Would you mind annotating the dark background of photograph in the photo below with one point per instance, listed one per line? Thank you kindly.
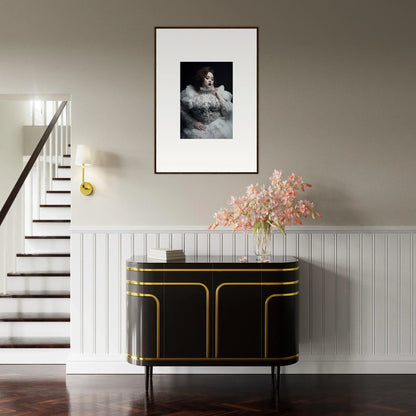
(223, 74)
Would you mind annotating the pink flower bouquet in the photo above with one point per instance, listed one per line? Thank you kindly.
(266, 207)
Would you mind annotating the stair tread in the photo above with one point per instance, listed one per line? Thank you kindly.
(34, 317)
(51, 220)
(66, 155)
(43, 255)
(39, 274)
(64, 167)
(47, 237)
(36, 294)
(34, 342)
(58, 192)
(61, 179)
(55, 205)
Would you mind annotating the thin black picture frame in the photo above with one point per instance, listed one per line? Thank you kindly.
(256, 171)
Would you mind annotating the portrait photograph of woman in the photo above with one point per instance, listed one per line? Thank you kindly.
(206, 100)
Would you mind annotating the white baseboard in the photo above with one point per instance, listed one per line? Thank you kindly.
(100, 365)
(78, 364)
(363, 365)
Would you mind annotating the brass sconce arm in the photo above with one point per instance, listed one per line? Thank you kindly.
(86, 188)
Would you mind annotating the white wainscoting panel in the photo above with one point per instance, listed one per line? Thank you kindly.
(357, 294)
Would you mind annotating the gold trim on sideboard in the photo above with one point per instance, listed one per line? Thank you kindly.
(133, 269)
(212, 359)
(266, 317)
(132, 282)
(148, 295)
(244, 284)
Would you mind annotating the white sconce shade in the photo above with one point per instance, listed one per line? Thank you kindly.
(83, 155)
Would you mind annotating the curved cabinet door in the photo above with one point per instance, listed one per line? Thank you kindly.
(280, 303)
(144, 308)
(185, 316)
(282, 331)
(238, 315)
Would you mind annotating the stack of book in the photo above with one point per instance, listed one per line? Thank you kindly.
(166, 254)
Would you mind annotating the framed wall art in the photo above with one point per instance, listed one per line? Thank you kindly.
(206, 110)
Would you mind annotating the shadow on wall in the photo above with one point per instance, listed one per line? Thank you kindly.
(107, 160)
(324, 311)
(105, 170)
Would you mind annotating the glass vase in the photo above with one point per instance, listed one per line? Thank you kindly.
(263, 243)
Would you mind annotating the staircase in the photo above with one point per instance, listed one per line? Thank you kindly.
(34, 310)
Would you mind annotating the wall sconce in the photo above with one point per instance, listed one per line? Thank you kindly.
(83, 158)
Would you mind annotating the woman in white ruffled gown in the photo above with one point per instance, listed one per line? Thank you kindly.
(206, 111)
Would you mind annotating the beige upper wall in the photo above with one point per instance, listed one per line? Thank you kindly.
(336, 101)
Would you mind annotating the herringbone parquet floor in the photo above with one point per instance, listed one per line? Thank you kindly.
(46, 391)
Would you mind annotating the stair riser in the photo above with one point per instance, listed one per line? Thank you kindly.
(55, 213)
(47, 246)
(40, 264)
(61, 186)
(45, 228)
(34, 329)
(64, 173)
(66, 161)
(38, 305)
(37, 283)
(58, 198)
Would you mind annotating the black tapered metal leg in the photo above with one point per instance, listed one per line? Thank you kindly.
(278, 381)
(147, 376)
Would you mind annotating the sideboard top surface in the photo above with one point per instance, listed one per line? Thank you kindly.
(212, 261)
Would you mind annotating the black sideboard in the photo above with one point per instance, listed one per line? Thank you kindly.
(212, 311)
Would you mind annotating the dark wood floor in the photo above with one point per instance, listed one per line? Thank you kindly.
(46, 390)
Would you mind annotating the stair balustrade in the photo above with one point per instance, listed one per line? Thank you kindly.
(22, 208)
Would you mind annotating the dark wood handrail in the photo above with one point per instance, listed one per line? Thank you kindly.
(25, 172)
